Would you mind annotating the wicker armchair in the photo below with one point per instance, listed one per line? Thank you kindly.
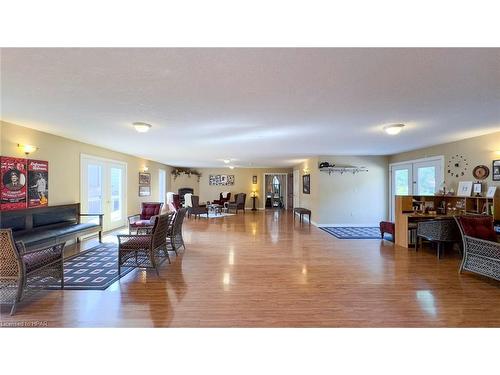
(238, 204)
(22, 270)
(481, 255)
(148, 211)
(441, 231)
(174, 233)
(145, 250)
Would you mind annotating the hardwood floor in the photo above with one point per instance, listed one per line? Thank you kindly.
(259, 269)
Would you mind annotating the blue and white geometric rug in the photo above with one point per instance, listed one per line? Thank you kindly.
(353, 233)
(93, 269)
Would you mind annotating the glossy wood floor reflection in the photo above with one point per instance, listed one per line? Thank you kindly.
(262, 270)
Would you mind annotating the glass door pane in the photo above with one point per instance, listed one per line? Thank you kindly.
(426, 180)
(401, 183)
(116, 201)
(95, 190)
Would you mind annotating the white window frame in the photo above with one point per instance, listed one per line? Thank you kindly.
(440, 179)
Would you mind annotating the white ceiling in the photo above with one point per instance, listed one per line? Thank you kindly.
(261, 107)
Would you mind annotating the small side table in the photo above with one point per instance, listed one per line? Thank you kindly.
(253, 199)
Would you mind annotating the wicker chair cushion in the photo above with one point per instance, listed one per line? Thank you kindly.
(478, 227)
(139, 242)
(142, 223)
(149, 210)
(38, 259)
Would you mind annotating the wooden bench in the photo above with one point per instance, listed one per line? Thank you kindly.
(301, 212)
(46, 226)
(387, 227)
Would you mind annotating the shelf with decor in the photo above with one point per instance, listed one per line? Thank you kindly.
(410, 209)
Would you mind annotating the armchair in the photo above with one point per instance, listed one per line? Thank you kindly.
(223, 198)
(21, 270)
(238, 204)
(148, 211)
(196, 209)
(481, 248)
(173, 202)
(144, 250)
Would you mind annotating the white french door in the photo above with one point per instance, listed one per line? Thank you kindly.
(417, 177)
(103, 190)
(296, 187)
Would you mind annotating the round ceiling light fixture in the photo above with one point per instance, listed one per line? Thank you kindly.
(394, 129)
(231, 167)
(227, 161)
(141, 127)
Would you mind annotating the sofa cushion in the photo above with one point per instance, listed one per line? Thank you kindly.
(149, 210)
(479, 227)
(56, 216)
(134, 243)
(12, 221)
(38, 259)
(142, 223)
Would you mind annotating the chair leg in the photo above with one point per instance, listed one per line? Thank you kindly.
(62, 275)
(19, 296)
(439, 250)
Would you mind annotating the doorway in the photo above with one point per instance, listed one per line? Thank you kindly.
(103, 190)
(415, 177)
(275, 190)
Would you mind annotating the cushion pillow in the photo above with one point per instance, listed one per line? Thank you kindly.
(478, 227)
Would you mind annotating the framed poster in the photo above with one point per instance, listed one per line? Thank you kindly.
(13, 183)
(306, 184)
(254, 180)
(496, 170)
(144, 191)
(38, 183)
(144, 179)
(464, 189)
(221, 179)
(491, 192)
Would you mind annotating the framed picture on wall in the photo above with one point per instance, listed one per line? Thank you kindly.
(306, 184)
(144, 179)
(254, 180)
(144, 191)
(496, 170)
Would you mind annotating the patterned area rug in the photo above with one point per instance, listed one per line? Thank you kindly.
(93, 269)
(354, 233)
(212, 215)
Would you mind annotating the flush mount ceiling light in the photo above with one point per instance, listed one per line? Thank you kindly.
(394, 129)
(227, 161)
(231, 167)
(141, 127)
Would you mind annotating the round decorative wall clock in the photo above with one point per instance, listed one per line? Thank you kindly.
(457, 166)
(481, 172)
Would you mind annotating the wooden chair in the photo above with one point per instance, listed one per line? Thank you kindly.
(145, 250)
(22, 270)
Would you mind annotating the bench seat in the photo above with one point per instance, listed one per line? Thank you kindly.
(54, 235)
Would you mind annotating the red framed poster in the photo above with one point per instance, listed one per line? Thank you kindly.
(38, 183)
(12, 183)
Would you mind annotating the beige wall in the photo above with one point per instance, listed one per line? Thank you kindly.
(359, 199)
(63, 156)
(242, 183)
(477, 151)
(347, 199)
(309, 201)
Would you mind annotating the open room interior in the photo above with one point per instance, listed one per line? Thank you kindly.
(256, 187)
